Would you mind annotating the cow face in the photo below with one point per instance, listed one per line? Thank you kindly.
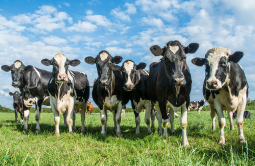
(60, 66)
(28, 99)
(216, 63)
(130, 75)
(16, 96)
(17, 70)
(105, 65)
(174, 57)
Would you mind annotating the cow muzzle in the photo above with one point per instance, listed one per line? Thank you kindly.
(62, 78)
(211, 85)
(30, 102)
(129, 87)
(104, 82)
(15, 84)
(179, 81)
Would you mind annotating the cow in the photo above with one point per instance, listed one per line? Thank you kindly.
(135, 81)
(246, 115)
(17, 105)
(89, 107)
(197, 105)
(170, 80)
(64, 97)
(225, 85)
(108, 92)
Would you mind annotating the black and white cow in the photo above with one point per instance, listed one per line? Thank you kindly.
(135, 81)
(170, 80)
(246, 115)
(225, 85)
(108, 92)
(64, 97)
(17, 105)
(197, 105)
(32, 83)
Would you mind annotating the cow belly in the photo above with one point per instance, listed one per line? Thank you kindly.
(46, 101)
(169, 105)
(63, 104)
(111, 103)
(140, 105)
(79, 105)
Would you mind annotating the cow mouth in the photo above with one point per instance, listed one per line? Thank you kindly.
(29, 103)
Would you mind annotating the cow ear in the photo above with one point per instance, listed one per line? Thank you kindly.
(10, 93)
(75, 62)
(29, 67)
(198, 61)
(90, 60)
(46, 62)
(156, 50)
(6, 68)
(191, 48)
(235, 57)
(141, 66)
(114, 67)
(117, 59)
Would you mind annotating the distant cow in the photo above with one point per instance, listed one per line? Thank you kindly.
(246, 114)
(108, 92)
(196, 105)
(225, 86)
(64, 97)
(17, 105)
(170, 80)
(89, 107)
(135, 82)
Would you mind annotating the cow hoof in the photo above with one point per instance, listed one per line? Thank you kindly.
(71, 132)
(83, 131)
(103, 134)
(25, 130)
(242, 140)
(159, 131)
(222, 141)
(152, 129)
(37, 130)
(21, 121)
(74, 129)
(186, 144)
(173, 132)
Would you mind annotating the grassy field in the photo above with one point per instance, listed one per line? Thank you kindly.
(18, 148)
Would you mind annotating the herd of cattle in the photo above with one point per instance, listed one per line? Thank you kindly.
(167, 87)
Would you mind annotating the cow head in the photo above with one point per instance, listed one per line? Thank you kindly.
(16, 96)
(28, 99)
(130, 73)
(216, 63)
(17, 70)
(60, 66)
(105, 65)
(174, 58)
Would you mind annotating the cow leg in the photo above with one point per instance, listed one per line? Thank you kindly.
(239, 119)
(159, 118)
(103, 120)
(137, 122)
(37, 114)
(26, 117)
(114, 120)
(147, 115)
(213, 113)
(199, 109)
(83, 120)
(118, 118)
(21, 117)
(69, 120)
(221, 120)
(57, 120)
(171, 117)
(230, 117)
(74, 127)
(64, 116)
(162, 106)
(152, 120)
(184, 125)
(16, 115)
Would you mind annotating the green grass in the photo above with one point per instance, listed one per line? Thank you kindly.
(18, 148)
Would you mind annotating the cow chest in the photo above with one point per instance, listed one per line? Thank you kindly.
(111, 103)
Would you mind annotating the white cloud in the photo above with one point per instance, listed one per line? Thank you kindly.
(89, 12)
(77, 38)
(120, 15)
(99, 20)
(94, 44)
(131, 9)
(66, 4)
(83, 27)
(113, 42)
(5, 24)
(153, 22)
(46, 10)
(54, 40)
(118, 51)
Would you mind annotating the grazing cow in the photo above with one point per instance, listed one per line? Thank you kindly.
(170, 80)
(135, 80)
(246, 114)
(108, 92)
(225, 85)
(197, 105)
(64, 97)
(89, 107)
(17, 105)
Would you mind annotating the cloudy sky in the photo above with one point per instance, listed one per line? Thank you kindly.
(33, 30)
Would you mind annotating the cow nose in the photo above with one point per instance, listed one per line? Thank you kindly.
(104, 82)
(129, 86)
(179, 81)
(15, 84)
(62, 77)
(15, 102)
(212, 84)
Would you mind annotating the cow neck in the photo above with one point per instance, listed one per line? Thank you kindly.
(111, 86)
(62, 89)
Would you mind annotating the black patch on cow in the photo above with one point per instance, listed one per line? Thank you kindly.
(222, 70)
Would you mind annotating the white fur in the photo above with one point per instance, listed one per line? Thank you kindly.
(129, 65)
(103, 56)
(37, 72)
(174, 49)
(61, 59)
(17, 64)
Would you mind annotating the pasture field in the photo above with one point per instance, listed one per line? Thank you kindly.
(18, 148)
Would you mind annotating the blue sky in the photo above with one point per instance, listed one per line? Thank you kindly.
(33, 30)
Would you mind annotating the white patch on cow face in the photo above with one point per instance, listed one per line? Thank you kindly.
(61, 60)
(103, 56)
(213, 57)
(17, 65)
(129, 65)
(174, 49)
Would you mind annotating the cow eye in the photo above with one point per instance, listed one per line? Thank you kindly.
(223, 64)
